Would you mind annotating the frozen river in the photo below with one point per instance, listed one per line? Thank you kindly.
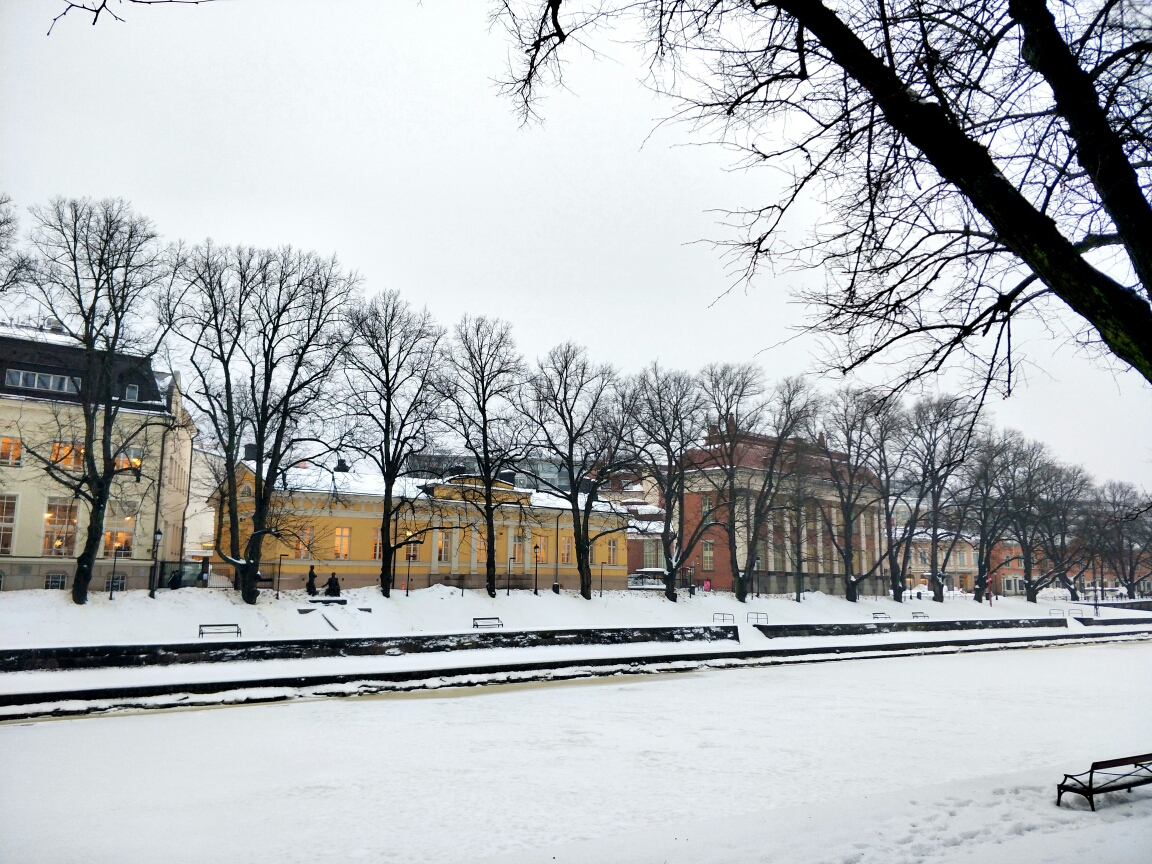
(912, 759)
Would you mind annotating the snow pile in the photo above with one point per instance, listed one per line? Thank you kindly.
(42, 618)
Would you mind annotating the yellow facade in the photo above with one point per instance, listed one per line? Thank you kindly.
(337, 531)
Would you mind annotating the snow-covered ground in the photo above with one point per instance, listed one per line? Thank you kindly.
(933, 759)
(42, 618)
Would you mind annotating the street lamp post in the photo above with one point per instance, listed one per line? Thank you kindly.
(536, 563)
(601, 578)
(508, 579)
(279, 569)
(156, 538)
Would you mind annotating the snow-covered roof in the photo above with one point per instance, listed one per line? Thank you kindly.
(363, 480)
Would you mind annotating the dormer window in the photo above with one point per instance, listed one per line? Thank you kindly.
(39, 381)
(132, 393)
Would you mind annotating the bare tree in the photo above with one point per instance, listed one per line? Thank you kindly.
(987, 510)
(265, 334)
(670, 416)
(733, 394)
(1122, 534)
(899, 492)
(1025, 490)
(940, 435)
(100, 273)
(581, 415)
(483, 376)
(1066, 539)
(14, 262)
(979, 157)
(844, 443)
(393, 361)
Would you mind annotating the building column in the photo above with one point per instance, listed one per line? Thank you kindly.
(455, 545)
(433, 556)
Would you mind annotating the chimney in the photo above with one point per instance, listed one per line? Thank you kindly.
(249, 452)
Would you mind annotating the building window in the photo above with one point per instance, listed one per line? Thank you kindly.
(707, 555)
(924, 558)
(962, 559)
(56, 581)
(481, 544)
(612, 552)
(591, 553)
(411, 551)
(650, 549)
(304, 542)
(518, 548)
(11, 449)
(566, 551)
(119, 528)
(66, 456)
(342, 542)
(60, 527)
(40, 381)
(705, 504)
(7, 522)
(132, 393)
(130, 458)
(540, 550)
(377, 546)
(115, 582)
(245, 491)
(443, 547)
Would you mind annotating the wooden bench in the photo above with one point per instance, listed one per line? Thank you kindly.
(483, 623)
(757, 618)
(916, 615)
(881, 616)
(214, 629)
(1101, 779)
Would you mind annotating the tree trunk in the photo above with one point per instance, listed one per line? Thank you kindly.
(490, 558)
(387, 551)
(1030, 592)
(87, 556)
(937, 590)
(850, 589)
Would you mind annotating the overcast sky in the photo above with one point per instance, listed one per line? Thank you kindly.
(374, 131)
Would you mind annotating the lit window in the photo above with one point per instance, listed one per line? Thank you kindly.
(129, 459)
(304, 542)
(377, 546)
(707, 555)
(342, 543)
(11, 449)
(117, 544)
(412, 551)
(540, 550)
(132, 393)
(60, 527)
(518, 549)
(566, 551)
(67, 457)
(612, 552)
(7, 522)
(444, 547)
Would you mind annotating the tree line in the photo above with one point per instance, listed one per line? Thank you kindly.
(288, 363)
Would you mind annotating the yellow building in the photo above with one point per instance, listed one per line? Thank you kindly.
(333, 522)
(42, 523)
